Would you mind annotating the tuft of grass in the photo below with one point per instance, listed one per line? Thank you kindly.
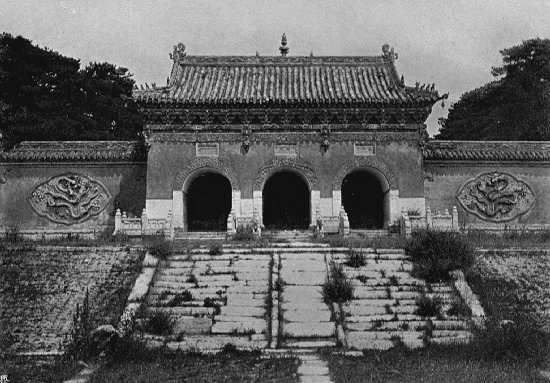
(215, 249)
(159, 247)
(459, 309)
(244, 234)
(192, 278)
(159, 323)
(436, 253)
(337, 288)
(393, 280)
(429, 307)
(180, 298)
(356, 258)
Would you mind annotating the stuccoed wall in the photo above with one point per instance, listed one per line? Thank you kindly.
(125, 183)
(397, 156)
(445, 180)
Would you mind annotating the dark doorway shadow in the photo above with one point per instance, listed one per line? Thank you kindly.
(286, 202)
(363, 200)
(208, 203)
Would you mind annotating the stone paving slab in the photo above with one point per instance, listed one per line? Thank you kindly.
(243, 311)
(192, 325)
(309, 330)
(308, 316)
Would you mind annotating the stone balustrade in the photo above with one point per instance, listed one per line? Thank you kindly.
(143, 225)
(440, 221)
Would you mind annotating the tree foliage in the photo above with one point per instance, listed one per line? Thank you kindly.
(47, 96)
(516, 106)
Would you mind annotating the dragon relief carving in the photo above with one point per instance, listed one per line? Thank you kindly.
(496, 197)
(69, 198)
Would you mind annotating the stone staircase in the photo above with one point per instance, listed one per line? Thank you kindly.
(385, 310)
(213, 300)
(271, 297)
(288, 235)
(180, 235)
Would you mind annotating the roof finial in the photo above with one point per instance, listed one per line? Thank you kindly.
(178, 52)
(283, 48)
(388, 53)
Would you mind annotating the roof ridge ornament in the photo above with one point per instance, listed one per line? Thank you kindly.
(388, 53)
(178, 53)
(283, 48)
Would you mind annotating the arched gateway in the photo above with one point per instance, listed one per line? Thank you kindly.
(292, 135)
(208, 202)
(286, 201)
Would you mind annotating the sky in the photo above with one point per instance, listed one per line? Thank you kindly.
(453, 44)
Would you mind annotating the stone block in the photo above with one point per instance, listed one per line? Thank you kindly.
(192, 325)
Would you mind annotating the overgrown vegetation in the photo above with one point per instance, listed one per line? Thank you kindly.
(180, 298)
(78, 347)
(436, 253)
(393, 241)
(429, 306)
(244, 233)
(338, 287)
(159, 323)
(137, 363)
(508, 239)
(159, 246)
(215, 249)
(356, 258)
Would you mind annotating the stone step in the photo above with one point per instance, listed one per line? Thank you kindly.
(451, 334)
(369, 344)
(249, 327)
(243, 311)
(387, 326)
(307, 315)
(309, 330)
(215, 343)
(309, 344)
(450, 325)
(451, 340)
(192, 325)
(182, 311)
(387, 335)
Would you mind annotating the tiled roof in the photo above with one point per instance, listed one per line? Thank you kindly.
(39, 151)
(487, 151)
(257, 81)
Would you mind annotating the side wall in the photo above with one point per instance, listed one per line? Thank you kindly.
(124, 182)
(446, 179)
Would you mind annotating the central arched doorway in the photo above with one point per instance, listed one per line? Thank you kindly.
(286, 202)
(363, 198)
(208, 202)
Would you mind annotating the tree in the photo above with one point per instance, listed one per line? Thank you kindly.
(47, 96)
(516, 106)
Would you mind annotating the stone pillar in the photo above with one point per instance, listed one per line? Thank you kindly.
(144, 221)
(315, 200)
(177, 208)
(336, 202)
(394, 208)
(118, 221)
(236, 203)
(455, 219)
(258, 205)
(429, 217)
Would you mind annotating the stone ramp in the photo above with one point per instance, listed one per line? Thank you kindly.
(307, 319)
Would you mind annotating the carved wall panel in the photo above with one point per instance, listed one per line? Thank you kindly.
(496, 197)
(69, 198)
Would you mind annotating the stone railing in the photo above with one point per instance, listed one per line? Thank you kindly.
(234, 222)
(332, 224)
(439, 221)
(143, 225)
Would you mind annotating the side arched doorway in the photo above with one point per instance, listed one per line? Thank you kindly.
(208, 202)
(364, 197)
(286, 202)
